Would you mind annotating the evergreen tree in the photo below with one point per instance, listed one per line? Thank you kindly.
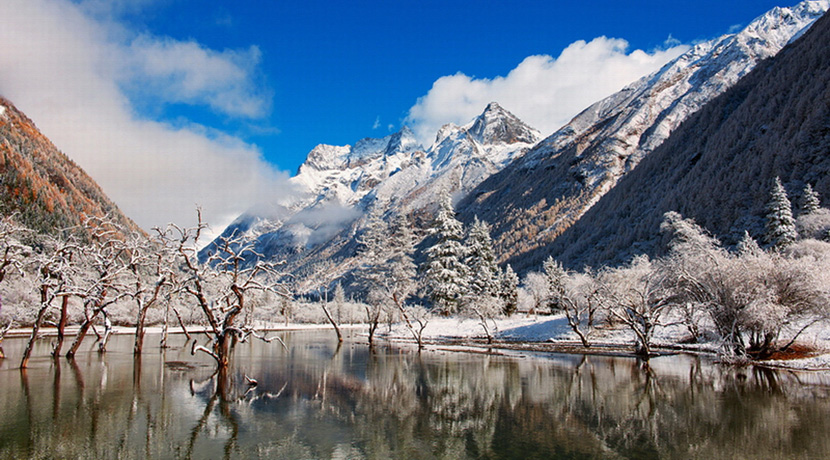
(509, 290)
(555, 275)
(445, 271)
(748, 246)
(372, 252)
(780, 225)
(810, 202)
(481, 260)
(401, 269)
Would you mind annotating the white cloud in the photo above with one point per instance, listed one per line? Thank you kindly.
(67, 71)
(187, 72)
(544, 92)
(376, 124)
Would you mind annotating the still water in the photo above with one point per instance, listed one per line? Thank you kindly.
(314, 400)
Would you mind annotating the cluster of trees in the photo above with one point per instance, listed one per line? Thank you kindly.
(460, 274)
(115, 271)
(747, 298)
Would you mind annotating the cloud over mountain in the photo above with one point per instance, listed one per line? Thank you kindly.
(544, 91)
(85, 77)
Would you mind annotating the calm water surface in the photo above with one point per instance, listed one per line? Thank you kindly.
(317, 401)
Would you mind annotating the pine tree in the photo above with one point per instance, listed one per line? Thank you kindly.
(371, 272)
(810, 202)
(446, 274)
(481, 260)
(509, 290)
(780, 225)
(748, 246)
(401, 269)
(555, 275)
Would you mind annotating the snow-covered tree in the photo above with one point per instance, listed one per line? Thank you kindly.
(445, 272)
(221, 286)
(56, 267)
(810, 201)
(573, 294)
(637, 296)
(481, 261)
(402, 269)
(509, 290)
(556, 277)
(372, 273)
(780, 225)
(536, 284)
(150, 272)
(748, 246)
(387, 272)
(12, 256)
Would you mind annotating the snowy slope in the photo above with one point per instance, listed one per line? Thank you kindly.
(546, 191)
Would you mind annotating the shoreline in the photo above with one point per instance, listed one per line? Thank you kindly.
(542, 334)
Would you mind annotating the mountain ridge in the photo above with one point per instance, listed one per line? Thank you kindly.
(718, 167)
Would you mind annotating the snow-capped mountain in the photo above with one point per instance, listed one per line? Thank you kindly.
(541, 194)
(338, 184)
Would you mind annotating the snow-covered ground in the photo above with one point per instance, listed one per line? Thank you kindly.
(555, 329)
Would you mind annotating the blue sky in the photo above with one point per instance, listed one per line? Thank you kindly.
(170, 104)
(335, 70)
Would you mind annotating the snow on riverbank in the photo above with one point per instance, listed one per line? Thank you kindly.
(555, 330)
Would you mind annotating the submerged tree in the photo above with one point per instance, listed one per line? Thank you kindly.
(148, 260)
(56, 265)
(222, 284)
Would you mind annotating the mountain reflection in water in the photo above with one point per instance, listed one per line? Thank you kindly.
(317, 401)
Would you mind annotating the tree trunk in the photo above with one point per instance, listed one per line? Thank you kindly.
(56, 352)
(82, 333)
(102, 346)
(44, 305)
(333, 323)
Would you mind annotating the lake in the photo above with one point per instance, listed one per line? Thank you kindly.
(314, 400)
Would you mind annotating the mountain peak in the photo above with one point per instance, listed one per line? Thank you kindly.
(496, 125)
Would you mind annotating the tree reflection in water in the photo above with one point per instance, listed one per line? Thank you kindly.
(317, 401)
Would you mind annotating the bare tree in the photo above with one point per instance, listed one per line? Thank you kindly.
(54, 266)
(12, 255)
(638, 297)
(150, 271)
(221, 284)
(105, 262)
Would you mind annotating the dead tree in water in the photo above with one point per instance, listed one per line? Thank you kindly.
(55, 266)
(105, 258)
(221, 283)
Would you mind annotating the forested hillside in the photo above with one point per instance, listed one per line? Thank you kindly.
(46, 189)
(719, 166)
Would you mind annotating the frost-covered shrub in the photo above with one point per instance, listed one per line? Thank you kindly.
(815, 225)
